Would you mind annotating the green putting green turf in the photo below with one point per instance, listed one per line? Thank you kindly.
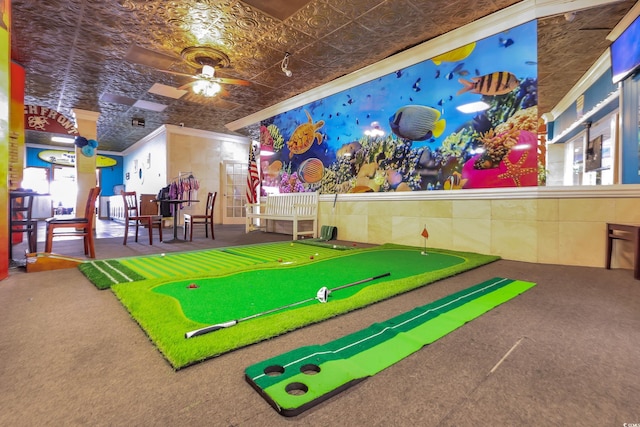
(168, 308)
(297, 380)
(238, 295)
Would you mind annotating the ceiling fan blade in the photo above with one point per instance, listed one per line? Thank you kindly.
(176, 73)
(185, 86)
(231, 81)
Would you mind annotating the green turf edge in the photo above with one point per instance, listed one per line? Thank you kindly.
(98, 279)
(165, 324)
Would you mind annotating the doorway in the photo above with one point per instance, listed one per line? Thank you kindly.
(234, 186)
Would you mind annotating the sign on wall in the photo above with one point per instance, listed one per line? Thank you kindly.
(68, 158)
(43, 119)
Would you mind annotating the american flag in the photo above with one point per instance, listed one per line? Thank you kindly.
(253, 180)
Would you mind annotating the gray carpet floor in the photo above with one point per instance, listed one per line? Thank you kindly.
(565, 353)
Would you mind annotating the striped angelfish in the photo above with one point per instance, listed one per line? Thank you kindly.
(497, 83)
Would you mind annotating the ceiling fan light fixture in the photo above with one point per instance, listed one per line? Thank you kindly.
(284, 66)
(206, 88)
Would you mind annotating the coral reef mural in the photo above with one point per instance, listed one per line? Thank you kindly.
(464, 119)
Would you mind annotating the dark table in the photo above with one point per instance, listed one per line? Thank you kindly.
(175, 203)
(628, 232)
(15, 194)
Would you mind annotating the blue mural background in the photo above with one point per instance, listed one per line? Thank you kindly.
(357, 140)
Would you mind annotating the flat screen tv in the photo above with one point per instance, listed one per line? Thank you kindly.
(625, 52)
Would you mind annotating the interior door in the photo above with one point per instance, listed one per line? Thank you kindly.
(234, 186)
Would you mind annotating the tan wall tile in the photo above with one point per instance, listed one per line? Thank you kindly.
(510, 209)
(591, 210)
(548, 209)
(472, 235)
(478, 209)
(548, 242)
(516, 240)
(582, 243)
(627, 211)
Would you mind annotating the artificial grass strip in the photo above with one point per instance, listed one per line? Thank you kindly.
(280, 251)
(183, 264)
(300, 379)
(162, 317)
(105, 273)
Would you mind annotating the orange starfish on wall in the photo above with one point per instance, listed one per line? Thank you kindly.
(515, 170)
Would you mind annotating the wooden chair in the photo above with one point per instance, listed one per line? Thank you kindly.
(80, 226)
(22, 222)
(132, 217)
(207, 219)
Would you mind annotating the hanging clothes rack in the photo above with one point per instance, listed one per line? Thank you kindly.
(183, 187)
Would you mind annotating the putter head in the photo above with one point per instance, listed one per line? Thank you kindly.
(323, 294)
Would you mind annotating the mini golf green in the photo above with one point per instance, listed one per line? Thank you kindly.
(238, 295)
(300, 379)
(167, 308)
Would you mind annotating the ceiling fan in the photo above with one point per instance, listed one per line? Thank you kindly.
(205, 58)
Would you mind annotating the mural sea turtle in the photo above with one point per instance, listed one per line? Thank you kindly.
(304, 135)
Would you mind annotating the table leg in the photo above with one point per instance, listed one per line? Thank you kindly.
(636, 254)
(609, 247)
(175, 227)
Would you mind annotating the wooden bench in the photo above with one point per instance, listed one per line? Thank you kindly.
(294, 207)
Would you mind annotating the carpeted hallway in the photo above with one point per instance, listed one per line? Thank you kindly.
(563, 353)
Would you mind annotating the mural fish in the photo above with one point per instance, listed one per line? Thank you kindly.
(349, 150)
(304, 135)
(417, 122)
(497, 83)
(455, 181)
(505, 42)
(455, 55)
(311, 170)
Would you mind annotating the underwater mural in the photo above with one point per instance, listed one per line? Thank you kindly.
(465, 119)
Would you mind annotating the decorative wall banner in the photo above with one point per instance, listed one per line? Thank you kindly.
(465, 119)
(68, 158)
(43, 119)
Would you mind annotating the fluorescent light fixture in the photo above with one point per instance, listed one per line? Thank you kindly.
(473, 107)
(63, 139)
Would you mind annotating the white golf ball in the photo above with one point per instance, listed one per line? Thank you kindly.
(161, 254)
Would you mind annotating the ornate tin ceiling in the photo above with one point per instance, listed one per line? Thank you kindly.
(75, 52)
